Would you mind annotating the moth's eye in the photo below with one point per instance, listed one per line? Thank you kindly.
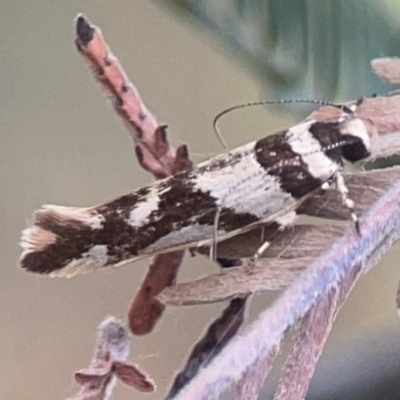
(356, 149)
(359, 136)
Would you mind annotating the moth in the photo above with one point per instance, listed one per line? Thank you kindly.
(259, 184)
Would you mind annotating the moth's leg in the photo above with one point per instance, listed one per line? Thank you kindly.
(280, 224)
(327, 185)
(262, 238)
(261, 250)
(346, 200)
(251, 263)
(213, 247)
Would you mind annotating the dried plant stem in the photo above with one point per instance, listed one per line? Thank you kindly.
(252, 381)
(153, 151)
(311, 335)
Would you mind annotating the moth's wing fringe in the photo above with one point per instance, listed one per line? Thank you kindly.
(42, 240)
(42, 228)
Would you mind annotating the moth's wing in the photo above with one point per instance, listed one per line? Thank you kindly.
(69, 240)
(297, 160)
(256, 182)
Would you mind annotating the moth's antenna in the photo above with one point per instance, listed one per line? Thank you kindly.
(392, 92)
(344, 108)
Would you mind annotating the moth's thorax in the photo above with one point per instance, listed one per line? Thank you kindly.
(315, 148)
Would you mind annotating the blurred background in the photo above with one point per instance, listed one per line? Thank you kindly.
(62, 144)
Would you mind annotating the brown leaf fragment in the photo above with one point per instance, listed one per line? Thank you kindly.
(132, 376)
(95, 374)
(146, 308)
(182, 161)
(387, 68)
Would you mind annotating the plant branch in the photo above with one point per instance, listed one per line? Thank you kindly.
(154, 154)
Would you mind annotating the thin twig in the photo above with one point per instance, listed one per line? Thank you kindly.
(153, 151)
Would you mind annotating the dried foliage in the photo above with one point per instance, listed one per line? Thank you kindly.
(154, 154)
(109, 364)
(387, 69)
(292, 251)
(316, 265)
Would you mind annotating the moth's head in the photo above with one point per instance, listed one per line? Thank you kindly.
(359, 136)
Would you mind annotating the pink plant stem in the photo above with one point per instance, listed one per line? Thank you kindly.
(311, 335)
(154, 154)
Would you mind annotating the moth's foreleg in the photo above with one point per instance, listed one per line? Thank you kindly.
(213, 247)
(249, 266)
(280, 224)
(346, 200)
(262, 236)
(327, 185)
